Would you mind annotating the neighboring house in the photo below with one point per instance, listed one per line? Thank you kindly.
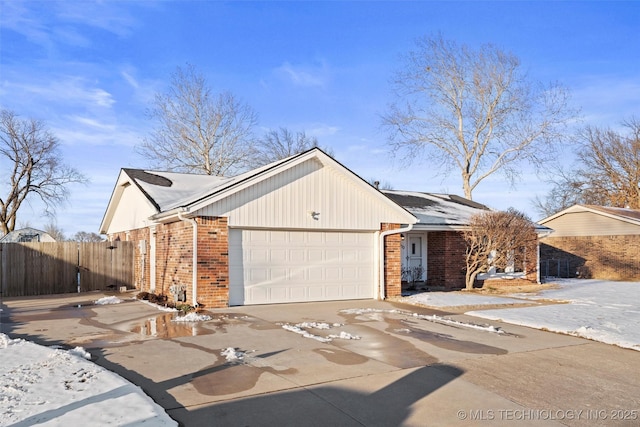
(304, 228)
(27, 235)
(433, 252)
(592, 242)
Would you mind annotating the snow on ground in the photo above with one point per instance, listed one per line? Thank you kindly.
(108, 300)
(192, 317)
(378, 315)
(301, 328)
(600, 310)
(49, 386)
(232, 355)
(456, 299)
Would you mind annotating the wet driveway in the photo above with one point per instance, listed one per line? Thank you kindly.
(337, 363)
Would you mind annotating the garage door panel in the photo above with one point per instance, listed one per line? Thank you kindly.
(269, 266)
(278, 256)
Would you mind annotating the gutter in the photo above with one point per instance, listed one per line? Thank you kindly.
(194, 279)
(381, 293)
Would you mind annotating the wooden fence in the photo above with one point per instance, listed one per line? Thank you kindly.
(54, 268)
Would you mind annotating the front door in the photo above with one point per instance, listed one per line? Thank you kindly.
(414, 259)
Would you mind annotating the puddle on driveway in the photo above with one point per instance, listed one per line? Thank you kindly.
(407, 328)
(340, 357)
(225, 377)
(386, 348)
(164, 327)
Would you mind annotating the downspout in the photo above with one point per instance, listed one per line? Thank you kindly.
(194, 279)
(381, 293)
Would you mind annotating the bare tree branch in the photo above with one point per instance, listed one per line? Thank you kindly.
(30, 154)
(282, 143)
(474, 111)
(498, 239)
(607, 171)
(197, 130)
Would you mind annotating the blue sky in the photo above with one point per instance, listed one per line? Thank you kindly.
(90, 70)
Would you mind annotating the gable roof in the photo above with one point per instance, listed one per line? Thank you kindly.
(437, 211)
(630, 216)
(27, 234)
(173, 193)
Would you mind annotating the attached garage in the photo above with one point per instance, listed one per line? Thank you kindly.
(300, 229)
(276, 266)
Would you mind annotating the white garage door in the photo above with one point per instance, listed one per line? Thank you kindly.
(267, 266)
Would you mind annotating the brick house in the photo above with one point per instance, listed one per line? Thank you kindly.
(433, 251)
(592, 242)
(304, 228)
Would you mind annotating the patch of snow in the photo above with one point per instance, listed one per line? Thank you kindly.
(301, 328)
(314, 325)
(192, 317)
(344, 336)
(430, 318)
(81, 352)
(108, 300)
(447, 321)
(42, 385)
(232, 355)
(456, 299)
(298, 330)
(599, 310)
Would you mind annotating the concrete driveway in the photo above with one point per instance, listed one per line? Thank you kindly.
(405, 369)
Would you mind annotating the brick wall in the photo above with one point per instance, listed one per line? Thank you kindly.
(174, 256)
(446, 259)
(446, 262)
(141, 260)
(392, 262)
(174, 260)
(597, 257)
(213, 262)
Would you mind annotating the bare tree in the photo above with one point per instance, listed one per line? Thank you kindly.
(498, 239)
(31, 166)
(607, 171)
(282, 143)
(84, 236)
(473, 110)
(197, 130)
(56, 232)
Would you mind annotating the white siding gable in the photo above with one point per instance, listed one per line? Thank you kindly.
(589, 224)
(287, 200)
(132, 212)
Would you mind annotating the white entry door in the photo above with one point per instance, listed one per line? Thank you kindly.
(414, 262)
(274, 266)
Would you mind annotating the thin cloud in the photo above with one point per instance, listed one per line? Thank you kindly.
(48, 24)
(130, 79)
(322, 130)
(66, 91)
(304, 76)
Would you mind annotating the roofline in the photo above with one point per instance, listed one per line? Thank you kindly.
(260, 173)
(589, 208)
(117, 192)
(540, 230)
(135, 181)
